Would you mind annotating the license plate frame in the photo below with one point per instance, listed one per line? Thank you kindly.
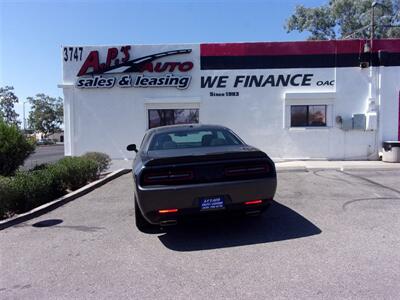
(212, 203)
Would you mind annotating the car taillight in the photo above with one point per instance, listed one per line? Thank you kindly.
(168, 211)
(247, 170)
(166, 177)
(253, 202)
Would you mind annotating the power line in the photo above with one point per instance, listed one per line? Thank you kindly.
(358, 30)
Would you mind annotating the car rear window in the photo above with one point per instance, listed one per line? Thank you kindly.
(193, 139)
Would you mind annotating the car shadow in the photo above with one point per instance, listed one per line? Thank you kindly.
(279, 223)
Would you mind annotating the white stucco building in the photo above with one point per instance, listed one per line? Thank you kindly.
(294, 100)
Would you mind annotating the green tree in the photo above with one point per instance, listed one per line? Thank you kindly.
(347, 19)
(46, 113)
(7, 102)
(14, 148)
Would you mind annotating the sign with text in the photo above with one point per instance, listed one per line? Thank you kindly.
(95, 73)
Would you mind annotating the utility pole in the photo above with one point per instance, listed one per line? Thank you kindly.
(23, 110)
(373, 23)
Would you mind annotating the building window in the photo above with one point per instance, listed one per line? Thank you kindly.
(162, 117)
(307, 115)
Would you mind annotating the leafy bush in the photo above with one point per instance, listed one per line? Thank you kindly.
(6, 196)
(29, 189)
(39, 167)
(14, 148)
(75, 172)
(34, 188)
(102, 159)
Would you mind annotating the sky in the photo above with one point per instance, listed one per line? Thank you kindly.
(32, 32)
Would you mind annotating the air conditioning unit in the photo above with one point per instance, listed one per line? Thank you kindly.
(347, 124)
(359, 121)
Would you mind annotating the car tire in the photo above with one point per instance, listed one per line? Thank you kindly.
(141, 223)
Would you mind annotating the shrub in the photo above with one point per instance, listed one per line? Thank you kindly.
(34, 188)
(103, 160)
(6, 196)
(29, 189)
(39, 167)
(75, 172)
(14, 148)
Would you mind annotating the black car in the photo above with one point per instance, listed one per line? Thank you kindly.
(196, 169)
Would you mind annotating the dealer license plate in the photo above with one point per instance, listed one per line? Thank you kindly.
(211, 203)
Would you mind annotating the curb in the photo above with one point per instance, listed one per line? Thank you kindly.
(285, 169)
(291, 169)
(378, 168)
(40, 210)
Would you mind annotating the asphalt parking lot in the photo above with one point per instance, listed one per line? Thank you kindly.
(329, 234)
(44, 154)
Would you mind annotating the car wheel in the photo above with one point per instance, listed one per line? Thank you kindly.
(141, 222)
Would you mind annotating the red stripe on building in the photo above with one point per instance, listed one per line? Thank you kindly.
(296, 48)
(389, 45)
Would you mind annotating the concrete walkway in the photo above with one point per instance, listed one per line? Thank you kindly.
(337, 165)
(302, 165)
(117, 164)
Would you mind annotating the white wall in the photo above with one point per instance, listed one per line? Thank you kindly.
(389, 100)
(107, 120)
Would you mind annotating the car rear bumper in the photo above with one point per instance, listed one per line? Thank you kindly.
(186, 198)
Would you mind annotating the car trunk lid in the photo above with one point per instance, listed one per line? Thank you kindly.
(201, 154)
(208, 165)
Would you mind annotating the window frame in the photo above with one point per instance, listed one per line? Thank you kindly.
(170, 109)
(308, 115)
(327, 97)
(170, 103)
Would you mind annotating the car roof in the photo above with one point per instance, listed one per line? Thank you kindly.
(183, 127)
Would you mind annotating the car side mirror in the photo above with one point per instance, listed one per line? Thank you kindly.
(132, 147)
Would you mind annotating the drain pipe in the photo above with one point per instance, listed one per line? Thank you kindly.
(373, 104)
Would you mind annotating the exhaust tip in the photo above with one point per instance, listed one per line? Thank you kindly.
(168, 223)
(253, 213)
